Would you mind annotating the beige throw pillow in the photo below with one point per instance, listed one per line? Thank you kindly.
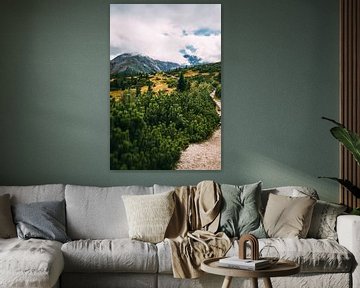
(288, 217)
(7, 226)
(149, 215)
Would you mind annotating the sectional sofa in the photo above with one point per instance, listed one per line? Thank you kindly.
(100, 253)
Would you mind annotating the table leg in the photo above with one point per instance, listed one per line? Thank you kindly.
(254, 282)
(267, 283)
(227, 282)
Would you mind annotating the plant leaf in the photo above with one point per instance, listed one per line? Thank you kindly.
(348, 138)
(347, 184)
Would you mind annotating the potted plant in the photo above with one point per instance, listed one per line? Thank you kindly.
(351, 141)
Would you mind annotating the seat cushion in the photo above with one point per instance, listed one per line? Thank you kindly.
(313, 255)
(30, 263)
(117, 255)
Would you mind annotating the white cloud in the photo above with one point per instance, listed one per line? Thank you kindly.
(157, 30)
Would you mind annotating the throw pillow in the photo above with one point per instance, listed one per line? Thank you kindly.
(149, 215)
(44, 220)
(323, 222)
(7, 226)
(288, 217)
(240, 210)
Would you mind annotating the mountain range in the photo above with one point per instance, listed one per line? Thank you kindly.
(131, 64)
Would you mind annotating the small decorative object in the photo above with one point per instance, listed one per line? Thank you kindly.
(270, 253)
(254, 246)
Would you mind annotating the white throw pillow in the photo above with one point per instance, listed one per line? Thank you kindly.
(149, 215)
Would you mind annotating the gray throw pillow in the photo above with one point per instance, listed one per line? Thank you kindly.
(240, 213)
(7, 226)
(323, 222)
(44, 220)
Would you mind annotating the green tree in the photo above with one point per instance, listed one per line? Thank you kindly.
(182, 83)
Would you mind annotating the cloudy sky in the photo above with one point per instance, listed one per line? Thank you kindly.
(181, 33)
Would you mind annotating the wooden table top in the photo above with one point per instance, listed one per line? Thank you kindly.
(281, 268)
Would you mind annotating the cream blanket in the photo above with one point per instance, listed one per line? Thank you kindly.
(191, 231)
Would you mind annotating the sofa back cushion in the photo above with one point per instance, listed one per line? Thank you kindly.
(98, 212)
(7, 226)
(36, 193)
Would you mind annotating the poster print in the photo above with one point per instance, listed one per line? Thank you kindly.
(165, 86)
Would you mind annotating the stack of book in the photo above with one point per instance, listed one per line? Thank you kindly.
(248, 264)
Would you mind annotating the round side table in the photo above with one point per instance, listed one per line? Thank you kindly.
(281, 268)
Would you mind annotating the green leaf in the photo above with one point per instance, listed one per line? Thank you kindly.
(348, 138)
(347, 184)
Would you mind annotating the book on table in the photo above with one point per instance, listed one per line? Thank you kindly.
(249, 264)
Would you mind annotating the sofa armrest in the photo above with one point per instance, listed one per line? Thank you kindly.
(348, 230)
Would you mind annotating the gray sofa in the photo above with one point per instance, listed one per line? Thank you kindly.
(101, 254)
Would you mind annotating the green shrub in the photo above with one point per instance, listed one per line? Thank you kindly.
(150, 131)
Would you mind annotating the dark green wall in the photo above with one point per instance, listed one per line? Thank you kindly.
(280, 75)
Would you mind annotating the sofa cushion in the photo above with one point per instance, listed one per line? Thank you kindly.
(36, 193)
(30, 263)
(291, 191)
(98, 213)
(323, 222)
(240, 210)
(43, 220)
(117, 255)
(7, 226)
(313, 255)
(149, 215)
(287, 216)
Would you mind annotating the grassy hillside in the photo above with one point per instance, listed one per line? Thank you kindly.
(164, 81)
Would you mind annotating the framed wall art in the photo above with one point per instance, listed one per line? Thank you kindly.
(165, 87)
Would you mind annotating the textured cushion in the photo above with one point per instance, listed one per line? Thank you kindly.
(44, 220)
(31, 263)
(149, 215)
(36, 193)
(98, 213)
(163, 188)
(117, 255)
(240, 210)
(323, 222)
(313, 255)
(287, 216)
(7, 227)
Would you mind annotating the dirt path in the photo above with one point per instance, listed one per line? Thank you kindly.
(202, 156)
(205, 155)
